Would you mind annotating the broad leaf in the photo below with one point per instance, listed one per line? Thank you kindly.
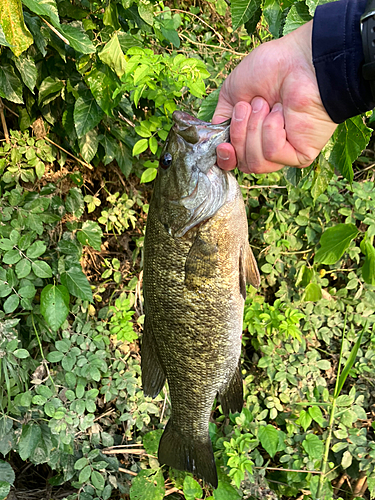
(29, 73)
(103, 83)
(368, 269)
(10, 84)
(41, 269)
(6, 472)
(77, 37)
(110, 17)
(323, 173)
(272, 12)
(148, 485)
(54, 305)
(208, 106)
(36, 249)
(192, 489)
(334, 241)
(77, 283)
(346, 144)
(304, 420)
(297, 16)
(49, 89)
(242, 11)
(34, 24)
(113, 56)
(313, 446)
(87, 113)
(13, 26)
(312, 293)
(23, 268)
(31, 434)
(11, 304)
(44, 8)
(124, 159)
(74, 202)
(88, 145)
(269, 439)
(90, 234)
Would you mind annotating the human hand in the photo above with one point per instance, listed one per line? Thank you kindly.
(277, 114)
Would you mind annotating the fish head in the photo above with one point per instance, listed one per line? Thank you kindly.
(190, 187)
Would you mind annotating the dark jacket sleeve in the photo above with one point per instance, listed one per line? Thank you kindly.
(338, 58)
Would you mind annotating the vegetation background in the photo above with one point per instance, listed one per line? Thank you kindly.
(87, 91)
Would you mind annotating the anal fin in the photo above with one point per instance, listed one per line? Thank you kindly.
(153, 376)
(231, 398)
(249, 272)
(189, 455)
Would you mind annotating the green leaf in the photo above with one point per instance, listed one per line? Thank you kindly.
(113, 56)
(346, 144)
(103, 83)
(110, 17)
(29, 440)
(88, 145)
(334, 241)
(81, 463)
(87, 113)
(140, 146)
(123, 159)
(242, 11)
(225, 491)
(323, 173)
(316, 414)
(29, 73)
(77, 283)
(151, 441)
(192, 489)
(55, 356)
(97, 480)
(4, 489)
(146, 12)
(297, 17)
(313, 446)
(313, 292)
(36, 250)
(269, 439)
(12, 257)
(10, 84)
(348, 365)
(49, 89)
(153, 144)
(11, 304)
(312, 4)
(272, 12)
(368, 268)
(84, 475)
(6, 244)
(77, 37)
(304, 420)
(54, 305)
(90, 234)
(13, 26)
(41, 269)
(208, 106)
(7, 473)
(44, 8)
(148, 485)
(346, 460)
(149, 175)
(21, 353)
(75, 202)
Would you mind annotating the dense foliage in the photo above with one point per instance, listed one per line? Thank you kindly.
(87, 89)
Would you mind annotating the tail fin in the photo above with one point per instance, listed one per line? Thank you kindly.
(189, 455)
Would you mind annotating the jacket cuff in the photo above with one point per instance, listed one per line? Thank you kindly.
(338, 58)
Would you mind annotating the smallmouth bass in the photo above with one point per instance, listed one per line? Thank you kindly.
(196, 265)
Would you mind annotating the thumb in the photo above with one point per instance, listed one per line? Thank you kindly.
(223, 111)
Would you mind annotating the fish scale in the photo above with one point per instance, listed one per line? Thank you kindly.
(197, 262)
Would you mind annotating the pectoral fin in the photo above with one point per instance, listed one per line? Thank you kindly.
(249, 272)
(201, 263)
(153, 376)
(231, 398)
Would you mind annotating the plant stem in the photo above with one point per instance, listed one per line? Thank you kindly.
(326, 448)
(41, 351)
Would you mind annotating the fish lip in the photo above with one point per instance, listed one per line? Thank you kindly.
(195, 131)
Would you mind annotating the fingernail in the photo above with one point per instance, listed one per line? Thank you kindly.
(257, 104)
(240, 112)
(277, 107)
(222, 155)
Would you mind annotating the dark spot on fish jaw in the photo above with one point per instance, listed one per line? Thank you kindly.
(166, 161)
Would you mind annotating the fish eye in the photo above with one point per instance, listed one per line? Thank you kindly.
(166, 161)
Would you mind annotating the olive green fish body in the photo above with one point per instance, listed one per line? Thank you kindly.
(195, 286)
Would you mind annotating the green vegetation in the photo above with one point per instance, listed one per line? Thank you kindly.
(87, 89)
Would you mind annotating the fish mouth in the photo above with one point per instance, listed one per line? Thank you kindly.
(193, 130)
